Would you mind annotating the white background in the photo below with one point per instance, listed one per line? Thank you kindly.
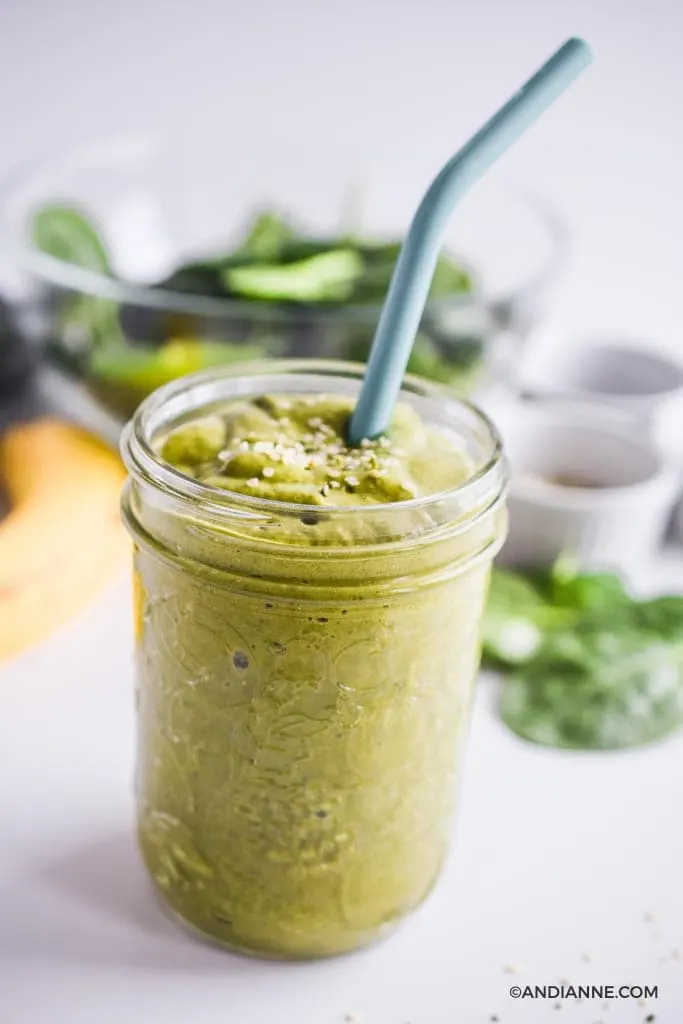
(557, 855)
(405, 78)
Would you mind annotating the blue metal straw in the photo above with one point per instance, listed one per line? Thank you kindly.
(410, 282)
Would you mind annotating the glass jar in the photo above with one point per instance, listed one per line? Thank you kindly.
(304, 678)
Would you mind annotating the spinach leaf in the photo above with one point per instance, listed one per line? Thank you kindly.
(586, 665)
(271, 244)
(449, 279)
(65, 232)
(663, 616)
(426, 361)
(380, 259)
(379, 262)
(274, 264)
(594, 688)
(517, 613)
(569, 588)
(268, 236)
(89, 324)
(195, 279)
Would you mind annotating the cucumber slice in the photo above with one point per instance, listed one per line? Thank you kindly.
(328, 277)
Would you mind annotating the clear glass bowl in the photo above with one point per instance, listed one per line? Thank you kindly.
(161, 203)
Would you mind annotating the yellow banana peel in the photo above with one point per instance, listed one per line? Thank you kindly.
(62, 540)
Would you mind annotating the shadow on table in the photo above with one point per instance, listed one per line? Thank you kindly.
(95, 907)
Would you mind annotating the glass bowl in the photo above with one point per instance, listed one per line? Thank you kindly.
(160, 204)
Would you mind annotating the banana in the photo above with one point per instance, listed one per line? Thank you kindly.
(62, 540)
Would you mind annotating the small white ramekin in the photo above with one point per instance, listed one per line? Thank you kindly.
(616, 523)
(642, 381)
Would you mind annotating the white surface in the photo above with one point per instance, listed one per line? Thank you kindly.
(558, 855)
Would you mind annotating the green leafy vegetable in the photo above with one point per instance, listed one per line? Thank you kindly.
(122, 376)
(426, 361)
(449, 279)
(196, 279)
(444, 365)
(65, 233)
(268, 237)
(586, 665)
(275, 266)
(447, 365)
(663, 615)
(594, 687)
(146, 370)
(516, 615)
(568, 588)
(272, 243)
(328, 277)
(92, 324)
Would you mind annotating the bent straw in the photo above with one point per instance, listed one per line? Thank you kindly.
(412, 276)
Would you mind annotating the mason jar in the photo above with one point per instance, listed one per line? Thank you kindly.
(304, 678)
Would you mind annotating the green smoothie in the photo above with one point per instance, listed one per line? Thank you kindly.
(291, 448)
(308, 625)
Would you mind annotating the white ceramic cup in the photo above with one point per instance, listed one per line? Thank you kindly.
(618, 489)
(638, 379)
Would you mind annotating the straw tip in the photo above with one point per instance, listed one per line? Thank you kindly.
(580, 47)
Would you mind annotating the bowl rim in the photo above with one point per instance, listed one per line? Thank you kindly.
(620, 348)
(53, 271)
(602, 423)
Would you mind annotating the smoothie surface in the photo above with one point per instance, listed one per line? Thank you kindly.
(292, 448)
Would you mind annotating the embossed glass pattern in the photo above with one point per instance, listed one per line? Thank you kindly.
(303, 685)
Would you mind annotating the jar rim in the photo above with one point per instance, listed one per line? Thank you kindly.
(144, 463)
